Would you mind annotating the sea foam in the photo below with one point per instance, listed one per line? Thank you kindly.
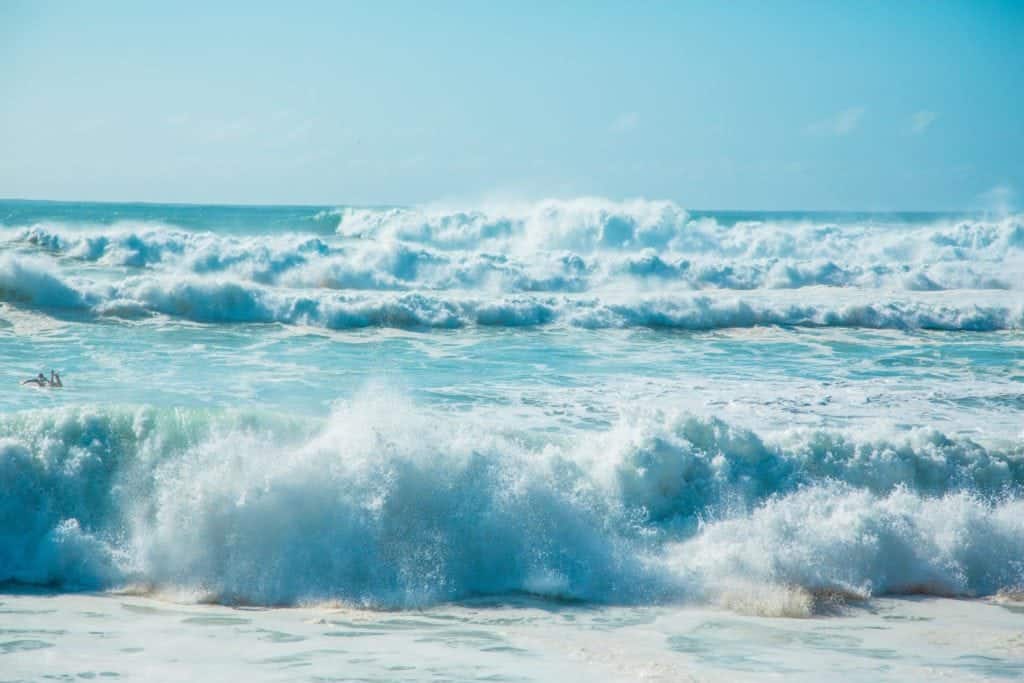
(383, 505)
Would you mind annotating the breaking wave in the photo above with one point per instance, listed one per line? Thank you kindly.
(562, 246)
(37, 284)
(385, 505)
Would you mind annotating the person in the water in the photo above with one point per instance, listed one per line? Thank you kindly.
(40, 380)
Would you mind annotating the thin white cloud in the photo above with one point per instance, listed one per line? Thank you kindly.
(843, 123)
(625, 122)
(921, 120)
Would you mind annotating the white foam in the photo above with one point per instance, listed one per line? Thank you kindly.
(387, 505)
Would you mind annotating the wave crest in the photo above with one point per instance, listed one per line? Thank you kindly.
(582, 224)
(384, 505)
(558, 246)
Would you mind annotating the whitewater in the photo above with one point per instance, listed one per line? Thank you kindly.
(575, 439)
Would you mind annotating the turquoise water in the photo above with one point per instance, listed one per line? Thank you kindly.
(586, 400)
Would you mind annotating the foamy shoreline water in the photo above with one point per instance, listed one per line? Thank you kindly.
(118, 637)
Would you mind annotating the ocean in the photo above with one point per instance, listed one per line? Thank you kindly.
(562, 440)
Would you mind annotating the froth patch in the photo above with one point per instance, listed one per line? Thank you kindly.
(766, 600)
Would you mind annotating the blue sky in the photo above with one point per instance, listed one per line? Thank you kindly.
(747, 105)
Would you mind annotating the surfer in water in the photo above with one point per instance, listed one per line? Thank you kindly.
(41, 381)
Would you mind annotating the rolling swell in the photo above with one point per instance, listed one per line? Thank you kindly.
(34, 283)
(384, 505)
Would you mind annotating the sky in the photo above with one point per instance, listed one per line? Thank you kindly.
(729, 105)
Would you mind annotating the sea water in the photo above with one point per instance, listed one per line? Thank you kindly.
(563, 440)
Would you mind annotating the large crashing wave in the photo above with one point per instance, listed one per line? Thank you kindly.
(383, 505)
(586, 244)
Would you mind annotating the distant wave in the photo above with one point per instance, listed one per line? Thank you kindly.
(565, 246)
(36, 284)
(383, 505)
(583, 224)
(147, 245)
(593, 223)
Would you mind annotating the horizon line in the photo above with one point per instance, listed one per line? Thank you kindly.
(374, 205)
